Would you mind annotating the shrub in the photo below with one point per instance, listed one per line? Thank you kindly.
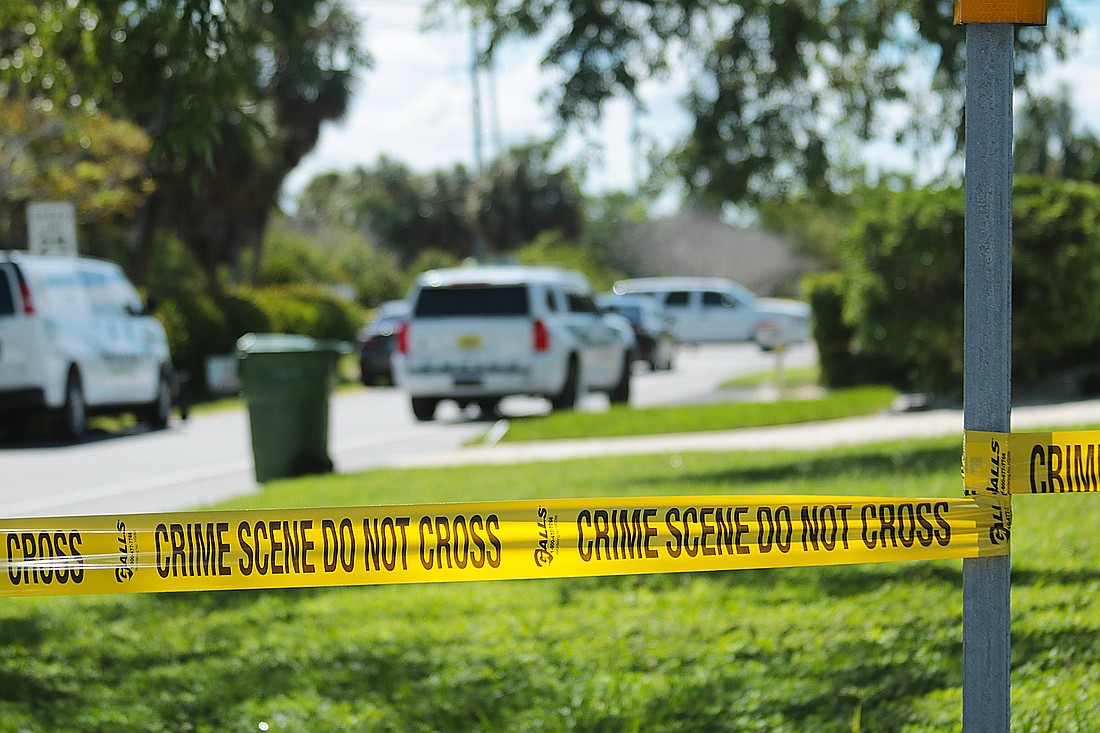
(903, 286)
(200, 325)
(309, 311)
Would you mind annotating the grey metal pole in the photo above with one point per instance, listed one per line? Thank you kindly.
(987, 353)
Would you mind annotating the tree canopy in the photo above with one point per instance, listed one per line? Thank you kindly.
(231, 96)
(779, 88)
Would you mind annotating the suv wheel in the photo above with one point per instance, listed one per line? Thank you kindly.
(620, 394)
(424, 408)
(488, 408)
(566, 399)
(73, 417)
(159, 411)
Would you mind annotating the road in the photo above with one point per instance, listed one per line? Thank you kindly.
(208, 458)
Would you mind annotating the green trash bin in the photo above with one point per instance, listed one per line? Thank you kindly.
(287, 381)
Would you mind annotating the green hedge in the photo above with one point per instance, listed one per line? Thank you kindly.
(201, 325)
(895, 312)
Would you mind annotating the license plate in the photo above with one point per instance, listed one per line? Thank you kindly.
(469, 342)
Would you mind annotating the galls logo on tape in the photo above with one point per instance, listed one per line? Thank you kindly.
(549, 538)
(127, 553)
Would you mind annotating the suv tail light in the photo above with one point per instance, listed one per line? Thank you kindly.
(25, 293)
(542, 337)
(401, 337)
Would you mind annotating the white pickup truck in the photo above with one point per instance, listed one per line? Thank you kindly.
(478, 334)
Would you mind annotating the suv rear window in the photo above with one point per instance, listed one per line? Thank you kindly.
(7, 302)
(473, 300)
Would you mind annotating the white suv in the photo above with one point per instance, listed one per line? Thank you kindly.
(478, 334)
(76, 339)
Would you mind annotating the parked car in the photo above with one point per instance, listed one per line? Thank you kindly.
(76, 339)
(705, 309)
(652, 327)
(375, 342)
(478, 334)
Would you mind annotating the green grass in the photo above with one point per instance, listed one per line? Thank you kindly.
(792, 378)
(620, 421)
(830, 650)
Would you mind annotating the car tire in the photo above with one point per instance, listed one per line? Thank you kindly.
(488, 408)
(566, 399)
(72, 418)
(620, 394)
(159, 411)
(424, 408)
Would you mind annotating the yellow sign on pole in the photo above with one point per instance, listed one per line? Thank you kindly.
(1023, 12)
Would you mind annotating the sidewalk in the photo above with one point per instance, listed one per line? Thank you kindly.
(808, 436)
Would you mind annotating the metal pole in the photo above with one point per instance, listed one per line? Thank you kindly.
(987, 371)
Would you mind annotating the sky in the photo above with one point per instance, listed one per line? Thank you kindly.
(416, 104)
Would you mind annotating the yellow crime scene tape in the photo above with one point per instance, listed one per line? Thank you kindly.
(192, 551)
(1032, 463)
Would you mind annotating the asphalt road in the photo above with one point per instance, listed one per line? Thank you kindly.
(208, 458)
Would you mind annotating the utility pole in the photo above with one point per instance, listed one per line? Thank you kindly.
(479, 163)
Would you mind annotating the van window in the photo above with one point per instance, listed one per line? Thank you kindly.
(7, 300)
(481, 300)
(678, 299)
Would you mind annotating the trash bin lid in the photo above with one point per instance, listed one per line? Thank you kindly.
(273, 343)
(253, 343)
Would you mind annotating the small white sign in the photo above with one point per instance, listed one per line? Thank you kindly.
(51, 227)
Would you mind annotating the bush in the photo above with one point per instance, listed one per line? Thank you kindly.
(309, 311)
(902, 287)
(196, 327)
(200, 325)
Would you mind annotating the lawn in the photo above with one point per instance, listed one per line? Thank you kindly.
(622, 420)
(839, 649)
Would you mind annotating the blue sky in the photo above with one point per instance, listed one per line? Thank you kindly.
(415, 105)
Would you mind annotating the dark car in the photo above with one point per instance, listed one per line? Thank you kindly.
(652, 328)
(375, 342)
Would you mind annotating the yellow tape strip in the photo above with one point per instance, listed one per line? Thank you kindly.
(1034, 463)
(192, 551)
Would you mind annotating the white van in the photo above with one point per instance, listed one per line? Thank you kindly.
(76, 339)
(712, 309)
(478, 334)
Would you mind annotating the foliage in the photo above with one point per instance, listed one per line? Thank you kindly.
(779, 88)
(294, 257)
(520, 197)
(551, 249)
(232, 97)
(310, 311)
(64, 154)
(306, 249)
(401, 210)
(1048, 142)
(201, 325)
(904, 276)
(430, 259)
(903, 287)
(829, 649)
(841, 365)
